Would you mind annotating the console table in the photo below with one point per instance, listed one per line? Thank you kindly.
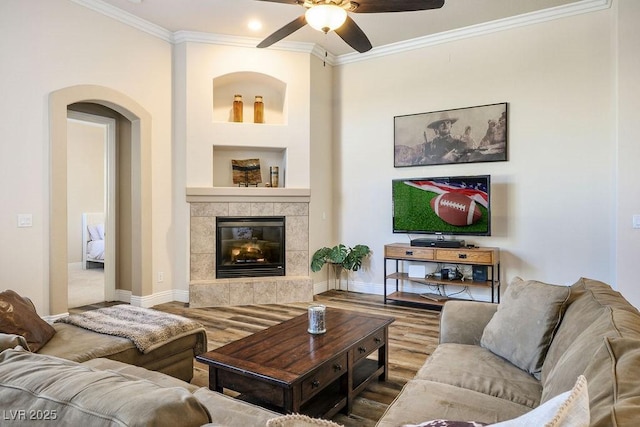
(404, 252)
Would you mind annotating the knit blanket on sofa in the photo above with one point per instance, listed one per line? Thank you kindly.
(148, 329)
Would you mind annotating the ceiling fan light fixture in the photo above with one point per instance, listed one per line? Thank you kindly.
(326, 17)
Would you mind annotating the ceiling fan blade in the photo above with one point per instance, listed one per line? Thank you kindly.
(353, 35)
(379, 6)
(283, 32)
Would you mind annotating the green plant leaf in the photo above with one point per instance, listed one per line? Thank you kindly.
(319, 258)
(340, 255)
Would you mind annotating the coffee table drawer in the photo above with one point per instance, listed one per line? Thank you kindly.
(324, 376)
(367, 345)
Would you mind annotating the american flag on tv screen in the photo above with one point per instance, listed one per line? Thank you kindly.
(475, 190)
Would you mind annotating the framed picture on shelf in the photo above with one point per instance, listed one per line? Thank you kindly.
(463, 135)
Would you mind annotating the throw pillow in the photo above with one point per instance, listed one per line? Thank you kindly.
(298, 420)
(569, 409)
(12, 341)
(523, 327)
(18, 317)
(446, 423)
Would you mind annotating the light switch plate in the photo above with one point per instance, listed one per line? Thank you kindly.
(25, 220)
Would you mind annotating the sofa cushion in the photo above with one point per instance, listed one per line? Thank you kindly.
(569, 409)
(613, 323)
(614, 390)
(422, 400)
(79, 395)
(524, 325)
(588, 300)
(17, 316)
(138, 373)
(229, 412)
(475, 368)
(74, 343)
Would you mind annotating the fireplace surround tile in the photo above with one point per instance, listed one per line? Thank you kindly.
(203, 234)
(291, 208)
(297, 233)
(239, 209)
(212, 209)
(241, 293)
(208, 294)
(264, 292)
(203, 266)
(207, 291)
(297, 263)
(261, 209)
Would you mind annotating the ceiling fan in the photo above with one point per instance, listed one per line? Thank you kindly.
(331, 15)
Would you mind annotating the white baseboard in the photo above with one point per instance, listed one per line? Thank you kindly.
(155, 299)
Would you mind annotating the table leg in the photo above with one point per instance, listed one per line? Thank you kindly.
(213, 380)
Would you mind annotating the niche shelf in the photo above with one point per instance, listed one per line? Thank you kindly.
(269, 156)
(249, 84)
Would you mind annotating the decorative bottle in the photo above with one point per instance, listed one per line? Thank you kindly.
(258, 110)
(274, 172)
(237, 108)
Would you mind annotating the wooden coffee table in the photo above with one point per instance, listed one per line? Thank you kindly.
(288, 369)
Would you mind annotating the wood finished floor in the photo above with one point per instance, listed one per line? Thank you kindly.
(412, 338)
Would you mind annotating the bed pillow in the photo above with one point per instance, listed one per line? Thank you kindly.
(96, 231)
(18, 317)
(523, 327)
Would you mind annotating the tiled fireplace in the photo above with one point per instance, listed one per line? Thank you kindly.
(207, 290)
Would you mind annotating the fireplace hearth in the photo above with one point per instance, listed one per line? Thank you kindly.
(250, 247)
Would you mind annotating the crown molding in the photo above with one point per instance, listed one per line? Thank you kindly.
(572, 9)
(531, 18)
(127, 18)
(250, 42)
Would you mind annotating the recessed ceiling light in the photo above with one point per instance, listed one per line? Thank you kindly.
(254, 25)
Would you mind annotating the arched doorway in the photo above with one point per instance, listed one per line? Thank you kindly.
(136, 234)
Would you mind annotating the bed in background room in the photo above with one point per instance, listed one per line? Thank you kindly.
(93, 240)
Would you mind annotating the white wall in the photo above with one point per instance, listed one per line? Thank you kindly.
(85, 179)
(203, 63)
(628, 135)
(554, 199)
(47, 45)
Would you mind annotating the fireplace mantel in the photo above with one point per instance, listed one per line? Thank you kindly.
(247, 194)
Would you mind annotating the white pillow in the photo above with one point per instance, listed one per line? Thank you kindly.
(96, 231)
(569, 409)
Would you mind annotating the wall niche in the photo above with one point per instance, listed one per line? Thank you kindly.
(249, 84)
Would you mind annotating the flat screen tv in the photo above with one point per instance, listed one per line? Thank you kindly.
(457, 205)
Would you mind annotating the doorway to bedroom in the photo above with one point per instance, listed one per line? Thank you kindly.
(91, 141)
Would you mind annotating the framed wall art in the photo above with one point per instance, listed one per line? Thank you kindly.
(463, 135)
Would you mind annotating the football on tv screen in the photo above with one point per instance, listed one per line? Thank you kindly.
(446, 205)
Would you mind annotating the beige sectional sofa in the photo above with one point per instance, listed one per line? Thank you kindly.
(37, 389)
(18, 315)
(78, 377)
(567, 356)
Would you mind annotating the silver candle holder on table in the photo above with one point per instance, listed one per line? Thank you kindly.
(317, 319)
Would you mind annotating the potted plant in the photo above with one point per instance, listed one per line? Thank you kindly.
(341, 257)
